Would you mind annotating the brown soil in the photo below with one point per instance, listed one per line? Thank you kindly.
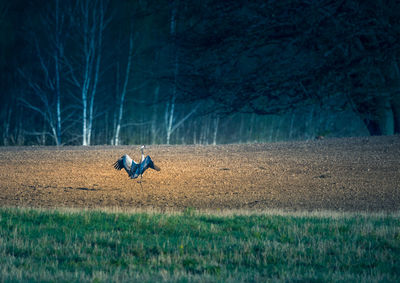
(335, 174)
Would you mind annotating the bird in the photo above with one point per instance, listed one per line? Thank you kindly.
(134, 169)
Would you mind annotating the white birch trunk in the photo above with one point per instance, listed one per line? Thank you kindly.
(171, 105)
(250, 137)
(116, 138)
(59, 47)
(6, 132)
(271, 127)
(87, 66)
(171, 110)
(84, 118)
(278, 130)
(91, 21)
(43, 137)
(124, 90)
(201, 133)
(97, 49)
(241, 128)
(216, 122)
(194, 133)
(117, 92)
(170, 119)
(48, 90)
(207, 130)
(154, 116)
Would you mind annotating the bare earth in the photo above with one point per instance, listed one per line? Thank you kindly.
(352, 174)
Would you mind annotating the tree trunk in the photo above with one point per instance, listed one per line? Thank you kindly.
(91, 27)
(216, 122)
(206, 129)
(96, 50)
(84, 118)
(309, 133)
(20, 136)
(271, 127)
(250, 136)
(7, 122)
(171, 107)
(384, 116)
(194, 127)
(396, 98)
(292, 114)
(115, 105)
(106, 126)
(154, 116)
(278, 130)
(396, 111)
(379, 120)
(170, 116)
(43, 135)
(124, 89)
(241, 128)
(59, 47)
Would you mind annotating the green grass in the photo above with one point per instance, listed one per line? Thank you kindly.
(99, 246)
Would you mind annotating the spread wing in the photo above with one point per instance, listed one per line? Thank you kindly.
(119, 164)
(124, 162)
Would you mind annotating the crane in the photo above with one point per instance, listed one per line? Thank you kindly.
(134, 169)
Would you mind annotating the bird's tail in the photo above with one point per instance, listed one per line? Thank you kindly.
(155, 167)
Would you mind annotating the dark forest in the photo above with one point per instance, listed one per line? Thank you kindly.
(95, 72)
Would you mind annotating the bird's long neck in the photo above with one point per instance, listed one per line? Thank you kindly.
(142, 151)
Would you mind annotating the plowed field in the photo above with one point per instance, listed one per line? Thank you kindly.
(352, 174)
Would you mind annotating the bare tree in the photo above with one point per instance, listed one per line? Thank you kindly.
(46, 88)
(116, 140)
(170, 106)
(171, 122)
(90, 21)
(58, 53)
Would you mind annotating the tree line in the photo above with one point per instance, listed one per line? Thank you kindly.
(86, 72)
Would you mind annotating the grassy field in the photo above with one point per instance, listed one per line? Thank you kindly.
(96, 246)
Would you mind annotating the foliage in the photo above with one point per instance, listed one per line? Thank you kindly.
(270, 57)
(99, 246)
(67, 69)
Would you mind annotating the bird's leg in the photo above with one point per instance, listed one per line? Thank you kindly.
(140, 181)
